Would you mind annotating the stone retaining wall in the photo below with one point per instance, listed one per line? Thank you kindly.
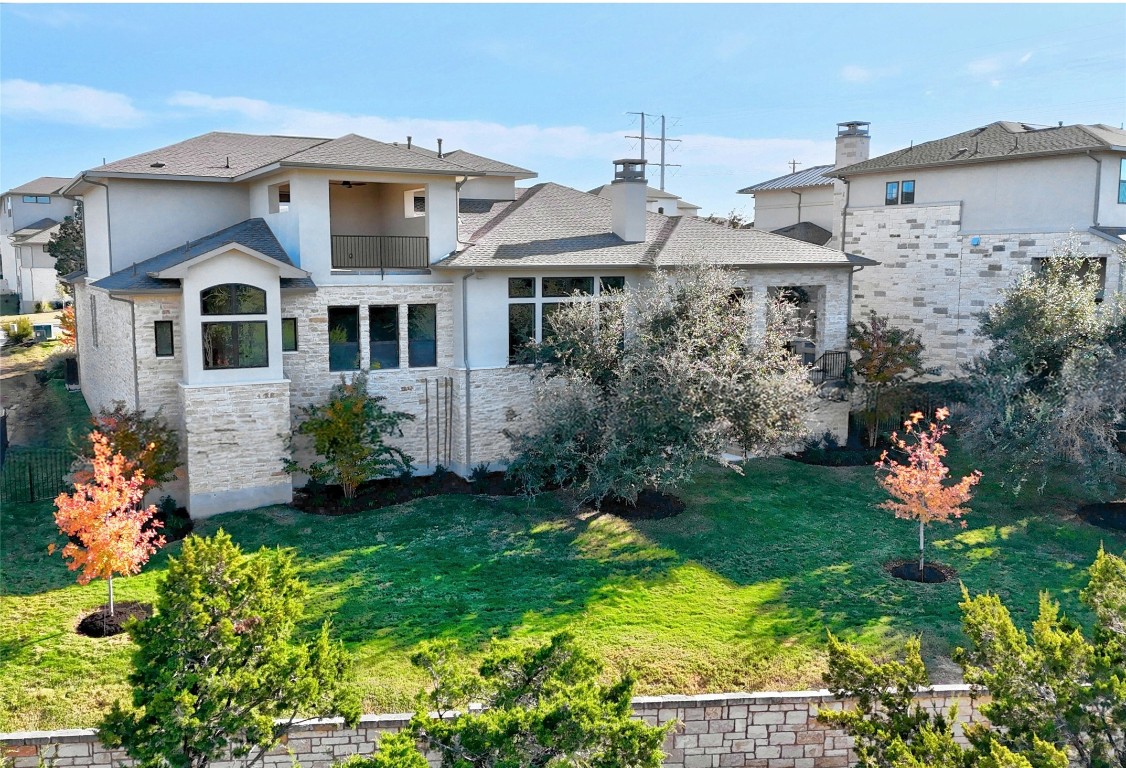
(749, 730)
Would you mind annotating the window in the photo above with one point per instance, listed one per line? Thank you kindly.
(521, 331)
(289, 334)
(383, 324)
(521, 287)
(42, 199)
(561, 287)
(235, 345)
(94, 320)
(611, 284)
(414, 203)
(422, 335)
(233, 299)
(163, 332)
(1122, 181)
(279, 197)
(891, 193)
(907, 195)
(343, 338)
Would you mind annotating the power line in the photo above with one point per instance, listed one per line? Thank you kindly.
(663, 140)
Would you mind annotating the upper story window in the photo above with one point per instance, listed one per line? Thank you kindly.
(37, 198)
(414, 203)
(1122, 181)
(907, 192)
(279, 197)
(232, 299)
(899, 192)
(891, 193)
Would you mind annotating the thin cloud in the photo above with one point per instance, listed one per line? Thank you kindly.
(48, 16)
(68, 103)
(983, 67)
(852, 73)
(1025, 58)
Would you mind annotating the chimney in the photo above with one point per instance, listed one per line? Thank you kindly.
(852, 143)
(627, 198)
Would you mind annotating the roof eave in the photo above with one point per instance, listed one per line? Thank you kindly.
(374, 169)
(844, 172)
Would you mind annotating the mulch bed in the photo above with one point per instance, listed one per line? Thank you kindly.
(651, 505)
(329, 500)
(837, 457)
(908, 570)
(1111, 514)
(101, 624)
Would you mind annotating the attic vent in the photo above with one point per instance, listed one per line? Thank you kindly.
(157, 165)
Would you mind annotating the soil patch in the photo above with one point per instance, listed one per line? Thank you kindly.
(837, 457)
(101, 624)
(319, 499)
(908, 570)
(1111, 514)
(651, 505)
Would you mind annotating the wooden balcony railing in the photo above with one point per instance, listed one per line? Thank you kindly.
(380, 252)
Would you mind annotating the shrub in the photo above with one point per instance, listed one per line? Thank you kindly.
(21, 331)
(148, 443)
(480, 473)
(396, 750)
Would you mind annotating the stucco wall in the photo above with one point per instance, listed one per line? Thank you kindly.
(775, 209)
(489, 188)
(755, 730)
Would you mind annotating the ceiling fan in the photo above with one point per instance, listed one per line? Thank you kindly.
(349, 184)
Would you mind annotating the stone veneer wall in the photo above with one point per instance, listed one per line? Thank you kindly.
(105, 369)
(755, 730)
(931, 278)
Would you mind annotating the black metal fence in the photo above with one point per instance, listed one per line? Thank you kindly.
(380, 252)
(34, 474)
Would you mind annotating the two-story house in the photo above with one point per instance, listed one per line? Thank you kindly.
(233, 279)
(952, 221)
(797, 205)
(29, 215)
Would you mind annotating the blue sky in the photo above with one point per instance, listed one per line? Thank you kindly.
(746, 87)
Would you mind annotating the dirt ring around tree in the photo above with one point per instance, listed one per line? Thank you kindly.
(99, 623)
(908, 570)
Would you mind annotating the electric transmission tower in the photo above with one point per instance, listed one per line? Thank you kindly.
(663, 141)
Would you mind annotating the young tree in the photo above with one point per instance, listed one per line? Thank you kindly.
(69, 327)
(149, 445)
(114, 534)
(396, 750)
(218, 666)
(643, 385)
(1055, 698)
(349, 432)
(68, 247)
(888, 357)
(542, 706)
(920, 486)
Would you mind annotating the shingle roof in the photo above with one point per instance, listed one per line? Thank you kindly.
(997, 141)
(479, 163)
(44, 185)
(474, 214)
(810, 177)
(213, 155)
(38, 237)
(37, 226)
(553, 225)
(361, 153)
(651, 193)
(252, 233)
(806, 231)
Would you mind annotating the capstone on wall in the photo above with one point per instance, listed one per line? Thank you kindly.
(741, 730)
(934, 279)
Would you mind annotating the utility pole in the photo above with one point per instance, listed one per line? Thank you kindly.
(663, 140)
(793, 166)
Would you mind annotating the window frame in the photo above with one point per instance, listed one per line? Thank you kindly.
(410, 341)
(236, 333)
(903, 192)
(1122, 181)
(889, 198)
(541, 298)
(359, 353)
(296, 344)
(514, 357)
(158, 325)
(371, 338)
(232, 307)
(37, 199)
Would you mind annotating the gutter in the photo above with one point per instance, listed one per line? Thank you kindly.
(793, 192)
(109, 225)
(1098, 185)
(465, 361)
(844, 213)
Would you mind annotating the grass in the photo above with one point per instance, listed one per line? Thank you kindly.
(734, 594)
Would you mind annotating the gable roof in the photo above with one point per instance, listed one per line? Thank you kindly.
(216, 155)
(37, 226)
(997, 141)
(252, 233)
(806, 231)
(483, 165)
(40, 236)
(44, 185)
(356, 152)
(810, 177)
(555, 226)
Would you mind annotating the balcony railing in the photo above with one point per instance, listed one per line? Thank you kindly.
(380, 252)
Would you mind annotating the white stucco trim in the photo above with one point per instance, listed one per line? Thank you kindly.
(180, 270)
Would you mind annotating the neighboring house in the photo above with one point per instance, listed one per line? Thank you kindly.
(233, 279)
(953, 221)
(30, 214)
(658, 201)
(797, 205)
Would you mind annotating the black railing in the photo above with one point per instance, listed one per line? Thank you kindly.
(831, 366)
(380, 252)
(34, 474)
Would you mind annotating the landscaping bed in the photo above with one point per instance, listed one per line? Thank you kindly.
(318, 499)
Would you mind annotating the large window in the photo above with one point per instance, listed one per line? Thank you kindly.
(383, 323)
(521, 331)
(240, 344)
(1122, 181)
(529, 318)
(907, 192)
(36, 199)
(891, 193)
(343, 338)
(422, 335)
(233, 299)
(561, 287)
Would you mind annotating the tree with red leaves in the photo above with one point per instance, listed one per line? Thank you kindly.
(68, 326)
(114, 534)
(920, 484)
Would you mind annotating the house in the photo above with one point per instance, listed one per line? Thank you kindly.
(31, 214)
(658, 201)
(232, 279)
(952, 221)
(797, 205)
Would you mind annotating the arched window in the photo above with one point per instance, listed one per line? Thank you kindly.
(234, 344)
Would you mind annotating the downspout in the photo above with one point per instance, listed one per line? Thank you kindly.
(792, 192)
(844, 212)
(465, 361)
(109, 226)
(1098, 185)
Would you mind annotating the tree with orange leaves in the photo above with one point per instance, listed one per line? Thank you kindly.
(114, 534)
(920, 484)
(67, 325)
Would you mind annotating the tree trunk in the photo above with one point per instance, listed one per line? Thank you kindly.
(920, 550)
(111, 594)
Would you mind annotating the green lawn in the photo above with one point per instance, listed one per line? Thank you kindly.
(733, 594)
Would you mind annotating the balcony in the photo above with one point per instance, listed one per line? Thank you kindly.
(382, 252)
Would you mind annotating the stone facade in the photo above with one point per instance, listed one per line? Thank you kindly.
(932, 276)
(747, 730)
(107, 353)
